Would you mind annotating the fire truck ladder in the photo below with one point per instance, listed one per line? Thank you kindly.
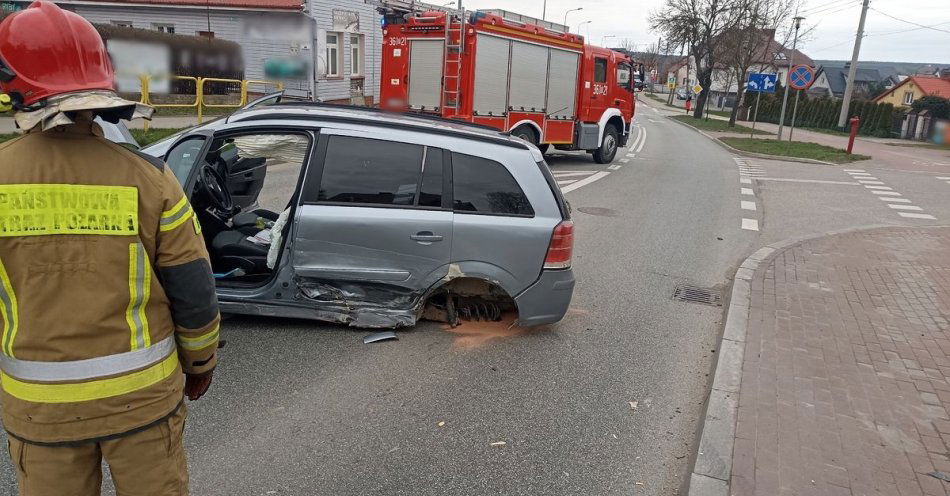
(452, 66)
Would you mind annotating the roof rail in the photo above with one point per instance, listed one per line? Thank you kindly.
(417, 115)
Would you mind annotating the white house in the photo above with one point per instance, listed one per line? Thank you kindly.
(342, 38)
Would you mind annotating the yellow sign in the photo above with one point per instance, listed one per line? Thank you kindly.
(670, 85)
(42, 209)
(697, 89)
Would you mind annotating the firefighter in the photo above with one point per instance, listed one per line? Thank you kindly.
(107, 301)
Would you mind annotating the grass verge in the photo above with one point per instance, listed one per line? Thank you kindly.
(7, 137)
(716, 125)
(797, 149)
(656, 97)
(146, 138)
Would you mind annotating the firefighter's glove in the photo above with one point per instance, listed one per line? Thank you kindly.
(6, 104)
(196, 385)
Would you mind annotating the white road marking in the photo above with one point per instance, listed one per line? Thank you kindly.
(868, 186)
(916, 216)
(888, 193)
(631, 154)
(866, 178)
(747, 205)
(853, 170)
(584, 182)
(562, 183)
(891, 199)
(906, 207)
(871, 182)
(643, 136)
(747, 191)
(558, 172)
(815, 181)
(750, 224)
(615, 167)
(745, 180)
(943, 178)
(857, 174)
(624, 160)
(655, 110)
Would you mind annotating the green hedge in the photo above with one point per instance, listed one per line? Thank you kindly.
(877, 119)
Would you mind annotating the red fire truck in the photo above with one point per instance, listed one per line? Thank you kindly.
(543, 85)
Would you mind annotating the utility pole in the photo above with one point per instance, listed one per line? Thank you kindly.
(849, 89)
(791, 129)
(788, 78)
(544, 11)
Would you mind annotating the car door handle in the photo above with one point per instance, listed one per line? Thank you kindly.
(425, 237)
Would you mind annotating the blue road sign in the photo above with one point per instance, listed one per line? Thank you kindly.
(801, 77)
(760, 82)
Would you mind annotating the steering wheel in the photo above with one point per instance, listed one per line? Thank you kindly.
(214, 188)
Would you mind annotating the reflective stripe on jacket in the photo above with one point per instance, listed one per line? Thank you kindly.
(106, 292)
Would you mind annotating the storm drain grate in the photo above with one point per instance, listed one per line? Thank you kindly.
(695, 294)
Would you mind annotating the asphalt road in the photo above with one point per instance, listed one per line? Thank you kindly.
(298, 407)
(605, 402)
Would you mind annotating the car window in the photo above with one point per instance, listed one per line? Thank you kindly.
(369, 171)
(600, 70)
(623, 76)
(485, 186)
(181, 159)
(430, 194)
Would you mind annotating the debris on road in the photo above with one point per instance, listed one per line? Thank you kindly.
(499, 443)
(441, 423)
(939, 475)
(379, 336)
(634, 404)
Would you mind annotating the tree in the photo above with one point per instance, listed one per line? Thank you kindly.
(699, 24)
(750, 42)
(939, 107)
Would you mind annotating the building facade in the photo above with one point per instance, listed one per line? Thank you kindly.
(340, 48)
(915, 87)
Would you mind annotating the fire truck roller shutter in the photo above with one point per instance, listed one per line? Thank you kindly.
(425, 73)
(562, 85)
(492, 55)
(529, 75)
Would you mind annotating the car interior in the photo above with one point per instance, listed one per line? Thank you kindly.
(244, 185)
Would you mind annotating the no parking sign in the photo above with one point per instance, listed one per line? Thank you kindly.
(800, 77)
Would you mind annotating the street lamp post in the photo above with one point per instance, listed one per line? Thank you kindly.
(788, 78)
(569, 11)
(582, 24)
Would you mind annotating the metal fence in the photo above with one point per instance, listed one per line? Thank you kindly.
(208, 93)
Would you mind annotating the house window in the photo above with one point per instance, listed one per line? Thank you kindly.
(165, 28)
(356, 55)
(908, 97)
(122, 24)
(333, 55)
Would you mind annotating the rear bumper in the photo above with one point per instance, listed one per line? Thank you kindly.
(546, 301)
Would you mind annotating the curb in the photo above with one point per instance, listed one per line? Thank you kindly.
(712, 469)
(756, 155)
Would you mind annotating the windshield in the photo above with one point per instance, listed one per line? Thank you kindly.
(623, 75)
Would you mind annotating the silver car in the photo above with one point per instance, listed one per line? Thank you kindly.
(375, 219)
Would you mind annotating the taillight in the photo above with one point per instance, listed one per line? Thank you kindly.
(561, 248)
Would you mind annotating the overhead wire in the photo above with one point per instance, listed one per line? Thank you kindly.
(921, 26)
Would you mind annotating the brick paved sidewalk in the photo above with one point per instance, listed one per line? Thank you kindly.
(846, 374)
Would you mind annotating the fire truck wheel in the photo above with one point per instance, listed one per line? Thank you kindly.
(608, 148)
(527, 134)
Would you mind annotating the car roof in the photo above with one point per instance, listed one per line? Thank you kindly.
(376, 117)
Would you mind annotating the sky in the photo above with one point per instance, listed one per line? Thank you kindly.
(832, 24)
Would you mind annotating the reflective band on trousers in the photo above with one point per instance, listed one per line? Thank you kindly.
(93, 390)
(140, 283)
(175, 216)
(8, 311)
(92, 368)
(197, 343)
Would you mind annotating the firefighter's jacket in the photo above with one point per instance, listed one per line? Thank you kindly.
(106, 292)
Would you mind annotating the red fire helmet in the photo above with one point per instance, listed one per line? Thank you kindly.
(47, 51)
